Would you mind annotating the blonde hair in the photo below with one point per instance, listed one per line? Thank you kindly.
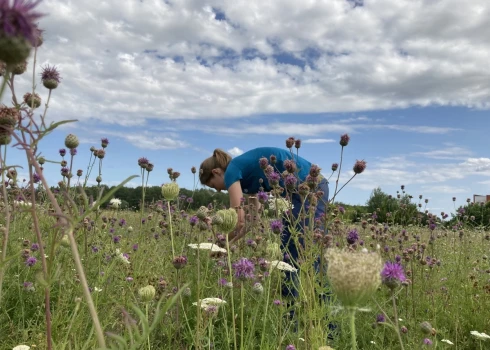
(220, 159)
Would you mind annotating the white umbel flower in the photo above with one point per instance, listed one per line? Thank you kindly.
(115, 203)
(21, 347)
(447, 341)
(281, 265)
(210, 301)
(207, 246)
(480, 336)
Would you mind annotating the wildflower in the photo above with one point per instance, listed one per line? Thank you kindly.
(276, 226)
(62, 152)
(115, 203)
(290, 166)
(290, 182)
(277, 302)
(380, 318)
(447, 341)
(193, 170)
(211, 310)
(427, 341)
(21, 347)
(36, 178)
(244, 269)
(170, 191)
(147, 293)
(50, 77)
(262, 197)
(30, 261)
(97, 289)
(297, 143)
(290, 347)
(29, 287)
(392, 275)
(135, 246)
(335, 166)
(104, 142)
(8, 116)
(100, 153)
(71, 141)
(31, 100)
(193, 220)
(282, 204)
(258, 288)
(179, 262)
(210, 301)
(352, 236)
(34, 247)
(18, 31)
(344, 140)
(122, 257)
(229, 220)
(273, 250)
(290, 142)
(263, 163)
(116, 239)
(283, 266)
(207, 246)
(354, 276)
(143, 162)
(480, 336)
(129, 279)
(359, 166)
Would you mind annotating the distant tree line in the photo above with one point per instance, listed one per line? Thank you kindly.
(131, 196)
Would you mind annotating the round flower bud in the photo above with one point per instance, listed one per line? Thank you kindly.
(19, 68)
(31, 100)
(230, 219)
(426, 327)
(98, 179)
(193, 170)
(216, 220)
(258, 288)
(179, 262)
(8, 116)
(273, 251)
(147, 293)
(170, 191)
(65, 242)
(5, 137)
(71, 141)
(202, 213)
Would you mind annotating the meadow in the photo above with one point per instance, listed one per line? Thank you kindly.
(78, 271)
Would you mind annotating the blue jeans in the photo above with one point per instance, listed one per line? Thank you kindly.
(288, 245)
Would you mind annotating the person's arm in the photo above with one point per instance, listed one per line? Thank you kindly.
(235, 193)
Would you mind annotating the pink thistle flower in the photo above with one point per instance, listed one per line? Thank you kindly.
(344, 140)
(18, 31)
(359, 166)
(50, 77)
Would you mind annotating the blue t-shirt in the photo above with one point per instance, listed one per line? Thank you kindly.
(246, 169)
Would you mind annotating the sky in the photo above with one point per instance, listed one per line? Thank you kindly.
(408, 80)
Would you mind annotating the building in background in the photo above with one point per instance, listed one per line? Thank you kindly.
(481, 199)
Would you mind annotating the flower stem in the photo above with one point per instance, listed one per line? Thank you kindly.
(395, 315)
(352, 323)
(148, 320)
(232, 299)
(242, 306)
(171, 230)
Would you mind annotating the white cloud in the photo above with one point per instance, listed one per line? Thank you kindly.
(128, 62)
(318, 140)
(444, 189)
(477, 164)
(453, 153)
(235, 151)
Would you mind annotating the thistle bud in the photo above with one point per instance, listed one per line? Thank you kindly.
(20, 68)
(31, 100)
(5, 137)
(8, 116)
(98, 179)
(170, 191)
(100, 153)
(193, 170)
(290, 142)
(258, 288)
(65, 242)
(344, 140)
(202, 212)
(147, 293)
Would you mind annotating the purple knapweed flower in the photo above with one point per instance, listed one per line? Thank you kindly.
(274, 178)
(244, 269)
(392, 274)
(359, 166)
(341, 210)
(290, 181)
(290, 347)
(36, 178)
(277, 302)
(135, 247)
(143, 162)
(34, 247)
(116, 239)
(104, 142)
(122, 222)
(50, 77)
(262, 197)
(335, 166)
(129, 279)
(276, 226)
(352, 236)
(263, 163)
(30, 261)
(344, 140)
(179, 261)
(73, 151)
(380, 318)
(427, 342)
(189, 200)
(193, 220)
(28, 286)
(62, 152)
(95, 249)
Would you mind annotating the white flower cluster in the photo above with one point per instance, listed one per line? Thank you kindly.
(120, 256)
(282, 204)
(281, 265)
(115, 203)
(480, 336)
(210, 301)
(207, 246)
